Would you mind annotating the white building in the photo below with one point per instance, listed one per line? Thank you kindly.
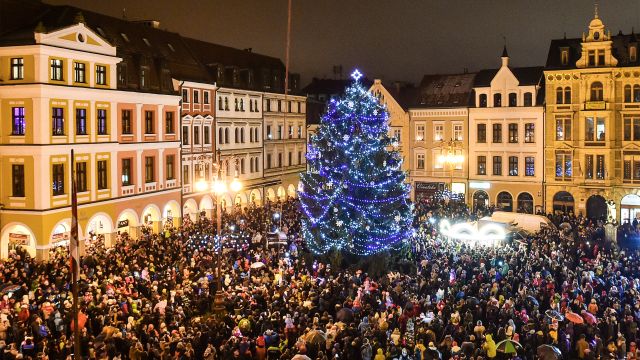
(506, 139)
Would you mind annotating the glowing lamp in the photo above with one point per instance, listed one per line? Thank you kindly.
(219, 187)
(236, 185)
(201, 185)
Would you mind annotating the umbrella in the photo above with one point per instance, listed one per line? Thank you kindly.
(472, 301)
(565, 225)
(508, 346)
(257, 265)
(548, 352)
(532, 301)
(574, 318)
(588, 317)
(10, 288)
(315, 337)
(554, 315)
(345, 315)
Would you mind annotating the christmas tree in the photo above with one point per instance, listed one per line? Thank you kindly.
(354, 197)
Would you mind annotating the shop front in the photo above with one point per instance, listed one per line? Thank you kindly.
(426, 190)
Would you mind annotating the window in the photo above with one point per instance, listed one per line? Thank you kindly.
(513, 99)
(528, 99)
(290, 162)
(58, 179)
(497, 133)
(148, 122)
(207, 135)
(17, 175)
(594, 129)
(185, 174)
(226, 136)
(279, 131)
(279, 105)
(596, 91)
(513, 133)
(268, 164)
(185, 135)
(143, 77)
(196, 135)
(497, 100)
(600, 168)
(168, 122)
(627, 93)
(149, 175)
(563, 129)
(79, 72)
(122, 74)
(290, 131)
(220, 135)
(251, 110)
(18, 123)
(103, 183)
(482, 133)
(236, 138)
(205, 95)
(126, 172)
(241, 104)
(299, 131)
(57, 116)
(564, 56)
(420, 162)
(185, 96)
(601, 61)
(438, 132)
(529, 166)
(588, 167)
(419, 132)
(170, 167)
(529, 133)
(567, 95)
(56, 69)
(126, 122)
(102, 122)
(631, 129)
(559, 95)
(513, 166)
(564, 165)
(299, 157)
(457, 132)
(482, 165)
(268, 131)
(220, 107)
(631, 167)
(592, 58)
(196, 97)
(633, 53)
(268, 105)
(81, 176)
(636, 93)
(482, 100)
(396, 135)
(81, 121)
(497, 165)
(226, 103)
(279, 159)
(17, 68)
(101, 75)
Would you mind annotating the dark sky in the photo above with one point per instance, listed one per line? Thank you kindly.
(388, 39)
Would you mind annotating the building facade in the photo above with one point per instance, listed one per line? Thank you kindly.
(506, 122)
(593, 125)
(62, 90)
(439, 126)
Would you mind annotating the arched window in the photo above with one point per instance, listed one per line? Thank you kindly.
(241, 105)
(513, 99)
(525, 203)
(226, 103)
(220, 136)
(597, 91)
(567, 95)
(242, 166)
(627, 93)
(505, 201)
(237, 136)
(482, 100)
(220, 107)
(559, 96)
(242, 134)
(226, 135)
(636, 93)
(236, 102)
(497, 100)
(528, 99)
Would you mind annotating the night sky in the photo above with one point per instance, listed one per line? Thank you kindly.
(388, 39)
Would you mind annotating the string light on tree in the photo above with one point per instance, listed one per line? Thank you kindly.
(367, 210)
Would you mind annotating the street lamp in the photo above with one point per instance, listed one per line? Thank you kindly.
(450, 156)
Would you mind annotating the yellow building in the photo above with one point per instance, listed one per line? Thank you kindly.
(592, 147)
(65, 87)
(439, 125)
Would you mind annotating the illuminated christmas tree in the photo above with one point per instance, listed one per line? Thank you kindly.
(354, 197)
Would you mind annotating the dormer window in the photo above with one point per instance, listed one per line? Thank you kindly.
(171, 47)
(513, 100)
(125, 37)
(146, 42)
(497, 100)
(633, 53)
(564, 56)
(482, 100)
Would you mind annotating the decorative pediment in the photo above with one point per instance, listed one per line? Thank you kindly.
(562, 145)
(77, 37)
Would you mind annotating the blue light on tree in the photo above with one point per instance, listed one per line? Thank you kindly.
(354, 197)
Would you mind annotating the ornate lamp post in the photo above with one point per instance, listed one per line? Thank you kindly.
(449, 155)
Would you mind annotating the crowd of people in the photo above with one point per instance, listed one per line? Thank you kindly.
(564, 291)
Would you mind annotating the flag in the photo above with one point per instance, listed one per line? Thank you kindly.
(74, 255)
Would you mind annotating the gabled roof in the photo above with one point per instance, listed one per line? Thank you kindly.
(620, 50)
(525, 75)
(450, 90)
(406, 94)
